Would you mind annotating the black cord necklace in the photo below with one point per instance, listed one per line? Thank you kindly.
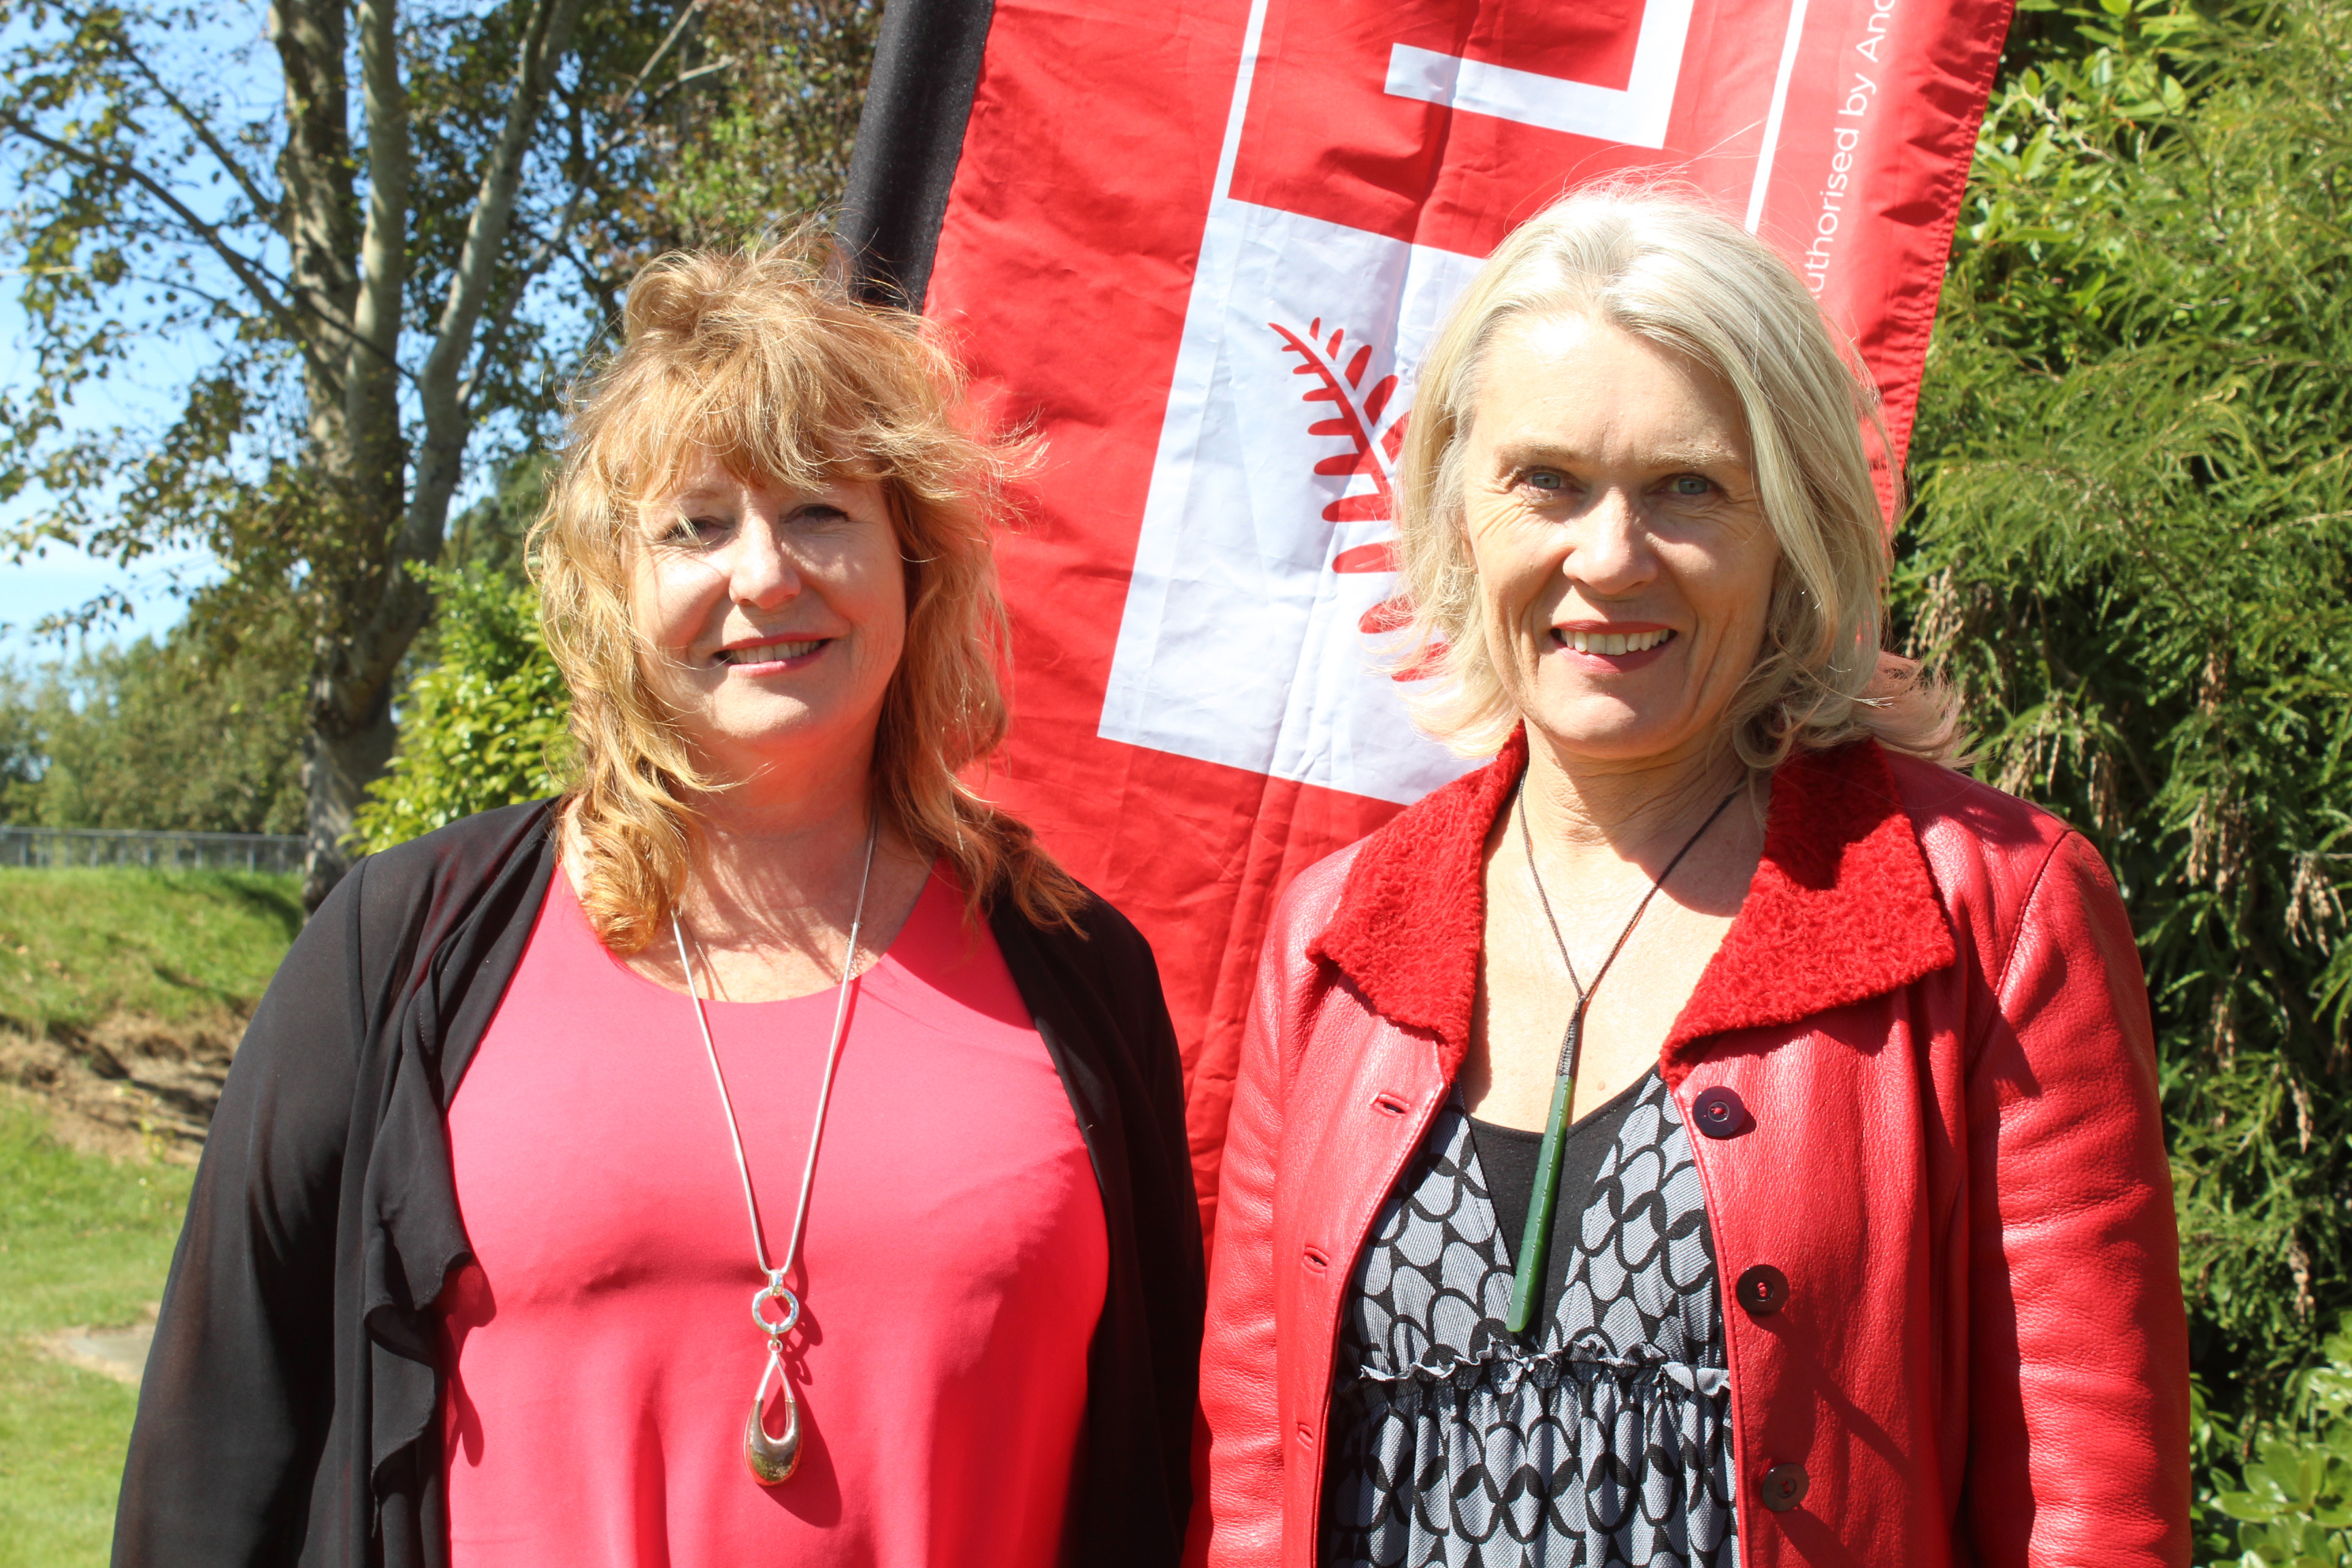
(1526, 1281)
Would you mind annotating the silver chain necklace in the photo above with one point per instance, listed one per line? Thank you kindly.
(772, 1460)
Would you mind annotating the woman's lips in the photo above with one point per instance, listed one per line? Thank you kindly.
(1614, 652)
(762, 658)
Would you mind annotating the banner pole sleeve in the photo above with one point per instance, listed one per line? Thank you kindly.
(909, 139)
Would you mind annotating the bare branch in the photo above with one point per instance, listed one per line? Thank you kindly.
(448, 420)
(724, 62)
(669, 39)
(495, 333)
(485, 231)
(369, 402)
(493, 337)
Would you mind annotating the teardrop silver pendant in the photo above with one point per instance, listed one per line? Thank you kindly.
(773, 1460)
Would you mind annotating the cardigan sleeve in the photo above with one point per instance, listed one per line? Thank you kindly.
(1094, 994)
(239, 1386)
(2078, 1344)
(1161, 1152)
(1156, 1150)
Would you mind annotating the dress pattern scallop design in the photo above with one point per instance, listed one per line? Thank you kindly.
(1458, 1444)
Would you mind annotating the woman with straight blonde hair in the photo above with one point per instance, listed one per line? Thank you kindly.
(763, 1152)
(1714, 1129)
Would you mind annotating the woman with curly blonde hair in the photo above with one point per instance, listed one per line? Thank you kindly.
(770, 1007)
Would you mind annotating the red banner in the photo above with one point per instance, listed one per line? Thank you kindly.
(1202, 244)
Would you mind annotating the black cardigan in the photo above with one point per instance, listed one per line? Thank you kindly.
(291, 1408)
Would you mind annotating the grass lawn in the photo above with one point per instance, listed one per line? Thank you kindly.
(75, 945)
(86, 1241)
(83, 1242)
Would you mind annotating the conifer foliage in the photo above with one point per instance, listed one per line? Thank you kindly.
(2131, 546)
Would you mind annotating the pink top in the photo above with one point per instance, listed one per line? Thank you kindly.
(601, 1348)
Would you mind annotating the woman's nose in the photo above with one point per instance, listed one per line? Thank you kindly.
(762, 573)
(1612, 553)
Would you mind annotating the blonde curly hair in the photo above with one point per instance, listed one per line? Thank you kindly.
(1674, 273)
(763, 360)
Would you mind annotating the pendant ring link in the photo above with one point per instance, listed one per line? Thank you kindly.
(775, 1289)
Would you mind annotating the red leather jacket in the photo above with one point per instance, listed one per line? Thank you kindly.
(1944, 1135)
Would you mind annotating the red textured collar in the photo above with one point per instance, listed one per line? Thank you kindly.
(1841, 907)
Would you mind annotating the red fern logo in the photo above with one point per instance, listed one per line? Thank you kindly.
(1355, 415)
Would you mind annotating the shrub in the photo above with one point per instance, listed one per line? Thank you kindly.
(2294, 1500)
(483, 725)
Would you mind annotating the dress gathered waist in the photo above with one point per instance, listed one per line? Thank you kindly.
(1601, 1438)
(1499, 1369)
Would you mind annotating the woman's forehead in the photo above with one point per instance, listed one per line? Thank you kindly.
(1559, 385)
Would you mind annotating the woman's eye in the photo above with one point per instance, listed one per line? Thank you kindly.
(1546, 480)
(1690, 485)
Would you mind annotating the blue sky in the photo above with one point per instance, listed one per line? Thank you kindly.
(64, 577)
(39, 588)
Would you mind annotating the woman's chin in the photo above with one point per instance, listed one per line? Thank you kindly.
(744, 738)
(1618, 740)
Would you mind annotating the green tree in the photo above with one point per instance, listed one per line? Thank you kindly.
(182, 734)
(2131, 547)
(370, 272)
(20, 750)
(774, 139)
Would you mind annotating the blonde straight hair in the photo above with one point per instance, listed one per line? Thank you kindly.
(1676, 274)
(762, 359)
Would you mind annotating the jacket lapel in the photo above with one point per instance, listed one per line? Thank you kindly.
(1412, 915)
(1841, 908)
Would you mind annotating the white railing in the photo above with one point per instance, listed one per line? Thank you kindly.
(276, 853)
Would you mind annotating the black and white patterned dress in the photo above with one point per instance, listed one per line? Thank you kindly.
(1604, 1441)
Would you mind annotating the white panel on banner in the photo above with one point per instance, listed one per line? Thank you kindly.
(1254, 633)
(1236, 514)
(1634, 115)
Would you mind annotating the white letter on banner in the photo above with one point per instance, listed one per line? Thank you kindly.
(1636, 116)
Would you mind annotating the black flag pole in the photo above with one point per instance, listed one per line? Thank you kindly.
(909, 138)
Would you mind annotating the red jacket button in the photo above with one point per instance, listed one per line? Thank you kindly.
(1785, 1486)
(1718, 1112)
(1763, 1290)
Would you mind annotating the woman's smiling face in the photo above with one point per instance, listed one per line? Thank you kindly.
(769, 621)
(1626, 567)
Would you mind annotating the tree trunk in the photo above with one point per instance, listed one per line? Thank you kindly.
(384, 606)
(351, 728)
(336, 767)
(318, 215)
